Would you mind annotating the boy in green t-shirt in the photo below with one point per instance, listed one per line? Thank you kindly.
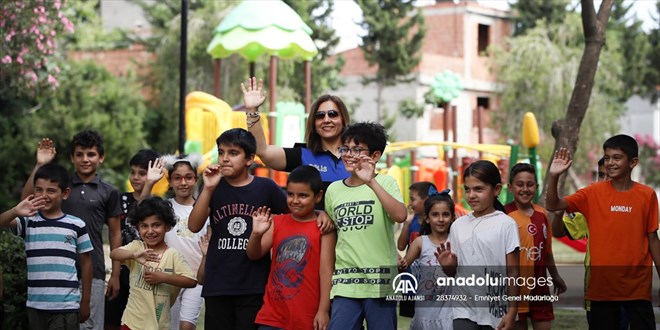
(364, 207)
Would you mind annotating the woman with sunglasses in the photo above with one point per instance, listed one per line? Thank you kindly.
(326, 121)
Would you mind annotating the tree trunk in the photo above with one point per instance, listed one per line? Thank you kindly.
(566, 131)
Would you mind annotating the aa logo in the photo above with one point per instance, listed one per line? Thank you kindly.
(405, 283)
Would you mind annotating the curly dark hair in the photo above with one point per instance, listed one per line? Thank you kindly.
(87, 139)
(153, 206)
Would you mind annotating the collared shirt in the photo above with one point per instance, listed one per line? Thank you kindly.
(93, 202)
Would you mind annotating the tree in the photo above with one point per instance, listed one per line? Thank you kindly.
(634, 47)
(28, 65)
(537, 71)
(566, 130)
(395, 32)
(652, 77)
(162, 78)
(529, 12)
(325, 76)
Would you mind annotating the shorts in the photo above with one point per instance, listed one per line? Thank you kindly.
(350, 313)
(232, 312)
(45, 320)
(186, 307)
(538, 311)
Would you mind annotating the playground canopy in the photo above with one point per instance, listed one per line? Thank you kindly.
(255, 28)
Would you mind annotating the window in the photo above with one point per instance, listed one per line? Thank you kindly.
(484, 36)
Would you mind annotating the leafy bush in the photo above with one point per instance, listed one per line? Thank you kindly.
(14, 280)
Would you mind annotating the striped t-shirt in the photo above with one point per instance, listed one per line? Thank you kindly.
(52, 247)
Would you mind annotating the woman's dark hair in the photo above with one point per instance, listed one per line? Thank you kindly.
(312, 137)
(486, 172)
(521, 167)
(428, 204)
(153, 206)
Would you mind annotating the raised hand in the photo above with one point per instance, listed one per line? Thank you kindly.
(212, 176)
(446, 258)
(45, 151)
(261, 220)
(204, 242)
(156, 170)
(253, 93)
(29, 206)
(146, 255)
(365, 168)
(560, 162)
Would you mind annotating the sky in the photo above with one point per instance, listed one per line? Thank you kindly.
(347, 13)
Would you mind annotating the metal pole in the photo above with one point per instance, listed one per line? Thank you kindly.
(182, 75)
(217, 65)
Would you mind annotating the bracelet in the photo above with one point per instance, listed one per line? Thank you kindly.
(251, 123)
(254, 114)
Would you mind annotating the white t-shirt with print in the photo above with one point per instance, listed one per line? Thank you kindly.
(182, 239)
(481, 245)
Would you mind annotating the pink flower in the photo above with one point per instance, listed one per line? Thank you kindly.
(6, 59)
(56, 69)
(58, 4)
(53, 81)
(19, 60)
(67, 24)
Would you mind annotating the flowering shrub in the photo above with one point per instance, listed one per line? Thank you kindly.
(28, 30)
(649, 160)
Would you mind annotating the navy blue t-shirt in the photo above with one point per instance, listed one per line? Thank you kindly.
(228, 270)
(331, 168)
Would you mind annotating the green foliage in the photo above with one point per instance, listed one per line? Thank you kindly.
(88, 97)
(162, 79)
(203, 16)
(538, 71)
(528, 12)
(633, 46)
(89, 34)
(393, 39)
(395, 33)
(28, 52)
(325, 76)
(652, 77)
(409, 108)
(14, 280)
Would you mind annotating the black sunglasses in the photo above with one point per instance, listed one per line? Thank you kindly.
(331, 114)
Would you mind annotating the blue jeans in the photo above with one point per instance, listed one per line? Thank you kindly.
(350, 313)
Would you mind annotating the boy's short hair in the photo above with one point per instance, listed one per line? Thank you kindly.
(369, 133)
(87, 139)
(143, 157)
(238, 137)
(623, 142)
(601, 161)
(422, 188)
(306, 174)
(521, 167)
(153, 206)
(53, 173)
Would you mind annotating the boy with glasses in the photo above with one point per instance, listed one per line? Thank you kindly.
(364, 207)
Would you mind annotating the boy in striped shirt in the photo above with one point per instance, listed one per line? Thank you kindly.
(54, 241)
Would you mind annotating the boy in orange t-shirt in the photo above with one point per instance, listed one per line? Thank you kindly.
(622, 216)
